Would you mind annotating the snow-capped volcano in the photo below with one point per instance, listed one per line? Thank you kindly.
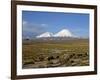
(46, 34)
(64, 33)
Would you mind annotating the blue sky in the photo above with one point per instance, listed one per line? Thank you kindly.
(35, 23)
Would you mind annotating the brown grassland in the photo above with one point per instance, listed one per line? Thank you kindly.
(38, 54)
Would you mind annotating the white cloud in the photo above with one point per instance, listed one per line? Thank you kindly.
(44, 25)
(33, 28)
(24, 22)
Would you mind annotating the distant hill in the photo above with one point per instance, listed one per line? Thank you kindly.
(62, 35)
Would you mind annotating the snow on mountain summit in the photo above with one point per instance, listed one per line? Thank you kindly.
(46, 34)
(64, 33)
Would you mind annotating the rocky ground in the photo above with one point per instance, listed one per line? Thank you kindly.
(67, 59)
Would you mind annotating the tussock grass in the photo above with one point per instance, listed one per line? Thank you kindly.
(68, 53)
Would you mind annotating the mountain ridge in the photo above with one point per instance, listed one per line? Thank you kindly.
(61, 33)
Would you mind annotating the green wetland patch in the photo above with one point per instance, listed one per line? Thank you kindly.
(45, 54)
